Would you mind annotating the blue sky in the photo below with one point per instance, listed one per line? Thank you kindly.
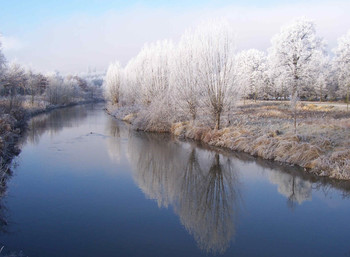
(23, 13)
(71, 36)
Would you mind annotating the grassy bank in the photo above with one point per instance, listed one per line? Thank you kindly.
(321, 143)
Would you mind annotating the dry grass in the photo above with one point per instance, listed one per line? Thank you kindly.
(129, 118)
(266, 130)
(314, 107)
(321, 144)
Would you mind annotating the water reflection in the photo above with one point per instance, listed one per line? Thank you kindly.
(5, 176)
(207, 202)
(204, 186)
(201, 186)
(55, 121)
(51, 122)
(295, 189)
(293, 182)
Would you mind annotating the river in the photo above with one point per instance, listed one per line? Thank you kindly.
(86, 184)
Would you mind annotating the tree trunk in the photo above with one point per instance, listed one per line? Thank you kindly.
(193, 116)
(347, 98)
(193, 110)
(12, 96)
(32, 98)
(255, 96)
(217, 125)
(228, 117)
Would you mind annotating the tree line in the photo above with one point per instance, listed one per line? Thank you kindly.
(19, 85)
(204, 74)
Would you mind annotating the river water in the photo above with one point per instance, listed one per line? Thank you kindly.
(86, 184)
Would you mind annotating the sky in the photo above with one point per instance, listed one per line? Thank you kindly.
(72, 36)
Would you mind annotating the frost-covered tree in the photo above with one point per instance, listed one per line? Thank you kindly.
(2, 68)
(132, 85)
(74, 87)
(185, 75)
(36, 84)
(272, 79)
(323, 71)
(2, 60)
(215, 42)
(53, 92)
(148, 76)
(57, 91)
(14, 81)
(251, 72)
(151, 70)
(293, 51)
(113, 83)
(332, 82)
(199, 72)
(342, 63)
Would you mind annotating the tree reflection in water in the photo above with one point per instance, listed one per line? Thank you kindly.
(206, 207)
(294, 188)
(54, 122)
(202, 186)
(113, 142)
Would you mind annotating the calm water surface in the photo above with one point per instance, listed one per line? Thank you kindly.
(87, 185)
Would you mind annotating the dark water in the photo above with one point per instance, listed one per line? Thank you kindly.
(87, 185)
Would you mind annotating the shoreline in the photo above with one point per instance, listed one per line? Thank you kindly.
(318, 156)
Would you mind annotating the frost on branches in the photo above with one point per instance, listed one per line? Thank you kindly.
(169, 82)
(251, 72)
(216, 49)
(293, 54)
(113, 83)
(342, 64)
(198, 88)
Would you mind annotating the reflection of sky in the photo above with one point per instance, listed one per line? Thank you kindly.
(80, 194)
(80, 147)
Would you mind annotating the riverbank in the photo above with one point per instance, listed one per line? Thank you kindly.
(321, 144)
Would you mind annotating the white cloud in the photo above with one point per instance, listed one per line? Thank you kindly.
(83, 41)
